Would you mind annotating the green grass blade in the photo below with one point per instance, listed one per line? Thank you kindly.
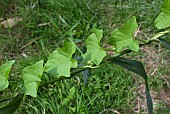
(12, 106)
(164, 43)
(136, 67)
(86, 74)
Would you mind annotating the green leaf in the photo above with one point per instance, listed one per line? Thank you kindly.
(72, 91)
(60, 61)
(136, 67)
(65, 101)
(4, 73)
(32, 77)
(164, 43)
(163, 19)
(94, 52)
(4, 83)
(122, 37)
(166, 6)
(98, 33)
(12, 106)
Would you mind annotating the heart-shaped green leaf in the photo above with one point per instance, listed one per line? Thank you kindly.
(4, 73)
(163, 19)
(12, 106)
(136, 67)
(122, 37)
(32, 77)
(60, 61)
(94, 52)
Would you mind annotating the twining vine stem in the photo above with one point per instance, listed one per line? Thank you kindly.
(80, 69)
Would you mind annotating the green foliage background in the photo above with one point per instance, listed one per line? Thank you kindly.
(110, 87)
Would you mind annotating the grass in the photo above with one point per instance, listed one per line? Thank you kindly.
(108, 93)
(110, 87)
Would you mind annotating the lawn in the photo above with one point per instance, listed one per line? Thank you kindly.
(43, 25)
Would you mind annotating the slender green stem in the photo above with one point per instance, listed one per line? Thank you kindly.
(80, 69)
(119, 54)
(106, 61)
(158, 35)
(73, 73)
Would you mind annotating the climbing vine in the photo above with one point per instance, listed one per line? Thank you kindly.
(63, 64)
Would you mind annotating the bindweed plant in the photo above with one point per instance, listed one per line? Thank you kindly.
(63, 63)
